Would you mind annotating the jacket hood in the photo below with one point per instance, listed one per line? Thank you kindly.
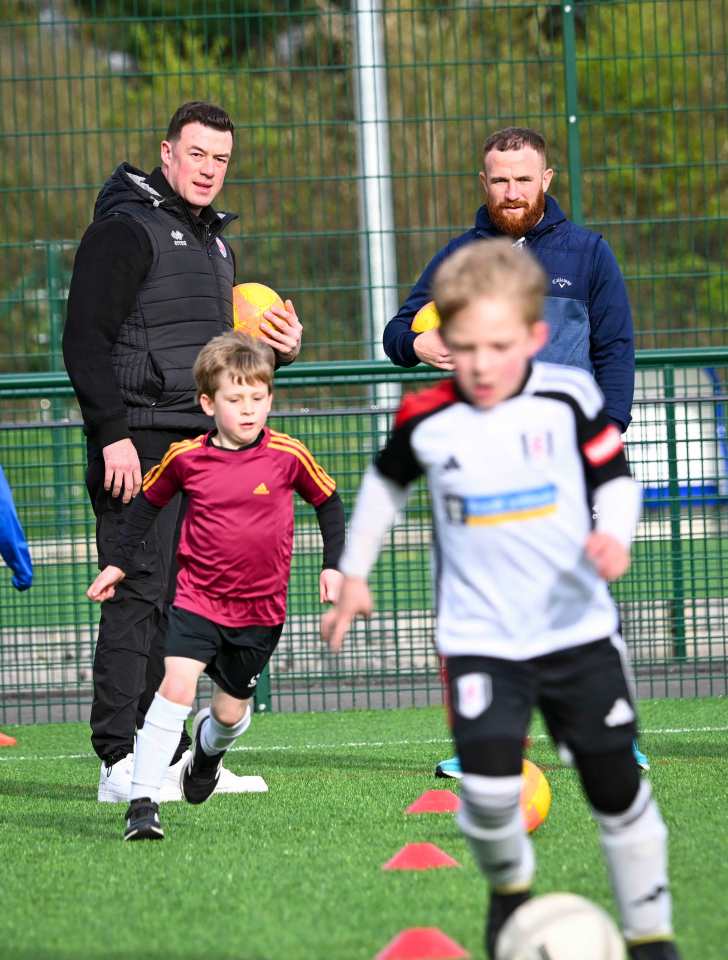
(125, 184)
(129, 184)
(553, 214)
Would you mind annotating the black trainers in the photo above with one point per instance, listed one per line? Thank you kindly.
(501, 906)
(142, 820)
(654, 950)
(200, 774)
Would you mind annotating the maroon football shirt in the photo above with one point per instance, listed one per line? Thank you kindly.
(235, 547)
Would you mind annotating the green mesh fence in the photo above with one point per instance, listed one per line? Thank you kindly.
(630, 94)
(674, 601)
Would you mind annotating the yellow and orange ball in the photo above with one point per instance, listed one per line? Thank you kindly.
(426, 318)
(250, 301)
(535, 796)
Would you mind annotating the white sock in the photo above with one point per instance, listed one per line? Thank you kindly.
(155, 745)
(215, 737)
(491, 819)
(635, 847)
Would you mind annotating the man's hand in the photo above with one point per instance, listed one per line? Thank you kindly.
(123, 470)
(282, 331)
(354, 601)
(609, 557)
(430, 348)
(330, 585)
(103, 587)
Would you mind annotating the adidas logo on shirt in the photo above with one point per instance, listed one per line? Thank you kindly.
(261, 490)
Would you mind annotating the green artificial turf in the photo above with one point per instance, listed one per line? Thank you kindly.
(295, 874)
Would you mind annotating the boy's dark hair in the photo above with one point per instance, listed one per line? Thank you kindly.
(246, 359)
(514, 138)
(198, 111)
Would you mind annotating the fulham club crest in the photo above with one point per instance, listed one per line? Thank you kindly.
(538, 446)
(474, 694)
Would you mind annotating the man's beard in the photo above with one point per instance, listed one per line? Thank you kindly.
(520, 225)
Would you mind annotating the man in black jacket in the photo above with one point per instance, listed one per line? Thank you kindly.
(152, 283)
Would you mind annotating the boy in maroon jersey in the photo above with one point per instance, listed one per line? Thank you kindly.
(234, 560)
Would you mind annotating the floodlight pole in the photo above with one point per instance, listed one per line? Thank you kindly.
(378, 255)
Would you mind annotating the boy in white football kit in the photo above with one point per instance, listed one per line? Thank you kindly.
(517, 454)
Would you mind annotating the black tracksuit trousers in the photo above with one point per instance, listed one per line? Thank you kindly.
(129, 660)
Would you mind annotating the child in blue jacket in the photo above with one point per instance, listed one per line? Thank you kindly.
(13, 545)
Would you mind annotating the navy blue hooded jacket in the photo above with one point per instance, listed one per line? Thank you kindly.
(587, 309)
(13, 546)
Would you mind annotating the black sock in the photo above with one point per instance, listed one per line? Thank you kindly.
(500, 907)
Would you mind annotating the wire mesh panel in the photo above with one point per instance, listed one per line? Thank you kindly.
(673, 602)
(389, 661)
(48, 633)
(678, 451)
(631, 97)
(630, 94)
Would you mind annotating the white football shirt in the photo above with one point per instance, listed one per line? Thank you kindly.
(512, 492)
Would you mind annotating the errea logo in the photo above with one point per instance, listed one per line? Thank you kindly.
(178, 237)
(561, 282)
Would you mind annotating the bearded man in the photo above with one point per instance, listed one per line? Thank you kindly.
(587, 309)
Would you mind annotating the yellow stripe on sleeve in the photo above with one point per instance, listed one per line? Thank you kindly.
(279, 441)
(151, 476)
(295, 444)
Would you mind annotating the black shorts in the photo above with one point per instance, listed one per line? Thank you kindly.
(584, 694)
(233, 656)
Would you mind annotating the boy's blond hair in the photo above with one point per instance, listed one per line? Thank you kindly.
(246, 360)
(489, 268)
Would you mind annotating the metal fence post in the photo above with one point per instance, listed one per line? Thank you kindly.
(572, 113)
(55, 303)
(377, 248)
(54, 288)
(677, 603)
